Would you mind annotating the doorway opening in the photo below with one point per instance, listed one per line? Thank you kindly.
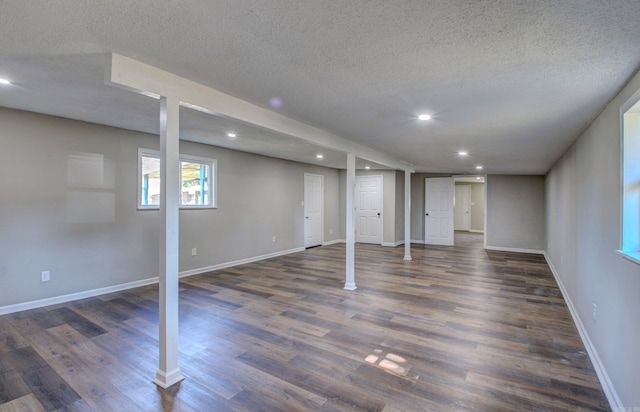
(469, 211)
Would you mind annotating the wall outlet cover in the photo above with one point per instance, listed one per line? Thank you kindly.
(45, 276)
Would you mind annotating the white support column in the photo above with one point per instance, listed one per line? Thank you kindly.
(407, 214)
(169, 372)
(350, 283)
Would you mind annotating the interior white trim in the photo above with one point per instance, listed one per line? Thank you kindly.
(476, 231)
(393, 244)
(350, 286)
(333, 242)
(130, 285)
(630, 256)
(18, 307)
(164, 380)
(418, 241)
(238, 262)
(603, 376)
(514, 249)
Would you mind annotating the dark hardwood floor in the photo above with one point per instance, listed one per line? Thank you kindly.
(469, 239)
(457, 328)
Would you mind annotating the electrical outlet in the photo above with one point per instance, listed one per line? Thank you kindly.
(273, 239)
(595, 311)
(194, 252)
(45, 276)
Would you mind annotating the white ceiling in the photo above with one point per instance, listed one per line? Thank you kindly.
(513, 83)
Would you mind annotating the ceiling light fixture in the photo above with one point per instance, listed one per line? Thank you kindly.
(319, 156)
(478, 178)
(231, 135)
(479, 167)
(367, 167)
(424, 117)
(4, 81)
(462, 153)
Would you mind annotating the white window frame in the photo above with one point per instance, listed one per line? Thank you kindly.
(212, 184)
(629, 244)
(212, 163)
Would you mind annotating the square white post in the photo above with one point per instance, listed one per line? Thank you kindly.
(407, 215)
(169, 372)
(350, 283)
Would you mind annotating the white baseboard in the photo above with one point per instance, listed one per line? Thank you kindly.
(333, 242)
(418, 241)
(476, 231)
(75, 296)
(130, 285)
(393, 244)
(516, 250)
(607, 386)
(219, 266)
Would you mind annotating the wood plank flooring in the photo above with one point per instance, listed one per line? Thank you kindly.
(457, 328)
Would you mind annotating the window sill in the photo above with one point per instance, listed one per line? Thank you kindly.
(630, 256)
(181, 208)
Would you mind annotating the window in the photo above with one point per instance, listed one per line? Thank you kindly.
(197, 181)
(630, 230)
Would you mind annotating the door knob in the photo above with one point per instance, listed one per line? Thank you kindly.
(426, 214)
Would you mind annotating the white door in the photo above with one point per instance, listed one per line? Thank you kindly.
(313, 209)
(438, 208)
(368, 205)
(461, 214)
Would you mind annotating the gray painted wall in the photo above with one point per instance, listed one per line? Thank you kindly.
(515, 212)
(258, 197)
(583, 232)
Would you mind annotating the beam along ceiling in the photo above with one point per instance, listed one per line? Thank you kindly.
(512, 83)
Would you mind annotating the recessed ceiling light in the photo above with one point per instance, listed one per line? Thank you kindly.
(478, 178)
(479, 167)
(462, 153)
(319, 156)
(4, 81)
(424, 117)
(367, 167)
(275, 102)
(231, 135)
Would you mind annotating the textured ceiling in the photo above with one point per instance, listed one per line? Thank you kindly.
(512, 82)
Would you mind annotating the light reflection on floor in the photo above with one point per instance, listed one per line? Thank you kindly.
(390, 363)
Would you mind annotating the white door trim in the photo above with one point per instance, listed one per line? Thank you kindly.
(321, 210)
